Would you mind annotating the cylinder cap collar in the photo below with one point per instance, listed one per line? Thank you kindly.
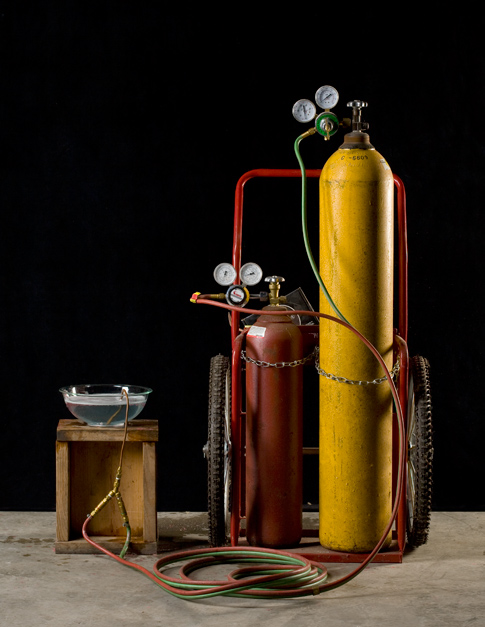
(357, 139)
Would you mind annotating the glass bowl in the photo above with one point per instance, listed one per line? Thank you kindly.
(104, 405)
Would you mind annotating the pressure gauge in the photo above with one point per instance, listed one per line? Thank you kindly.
(237, 295)
(304, 110)
(225, 274)
(251, 274)
(326, 97)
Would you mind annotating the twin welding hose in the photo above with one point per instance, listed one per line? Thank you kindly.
(271, 573)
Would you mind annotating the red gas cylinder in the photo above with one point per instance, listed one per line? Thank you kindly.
(274, 456)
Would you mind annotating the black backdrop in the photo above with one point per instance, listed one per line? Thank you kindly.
(124, 129)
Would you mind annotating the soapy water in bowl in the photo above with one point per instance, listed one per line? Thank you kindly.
(97, 409)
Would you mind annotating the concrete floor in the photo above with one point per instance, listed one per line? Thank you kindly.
(441, 583)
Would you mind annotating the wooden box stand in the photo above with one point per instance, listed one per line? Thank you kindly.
(87, 459)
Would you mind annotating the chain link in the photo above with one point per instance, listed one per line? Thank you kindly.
(394, 372)
(315, 355)
(278, 364)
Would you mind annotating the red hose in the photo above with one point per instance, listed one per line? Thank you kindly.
(243, 587)
(300, 312)
(250, 587)
(395, 395)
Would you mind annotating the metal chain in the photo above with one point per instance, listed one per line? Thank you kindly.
(278, 364)
(315, 354)
(394, 372)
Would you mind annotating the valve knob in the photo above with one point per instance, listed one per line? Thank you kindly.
(357, 106)
(274, 279)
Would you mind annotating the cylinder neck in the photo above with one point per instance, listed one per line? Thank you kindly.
(357, 139)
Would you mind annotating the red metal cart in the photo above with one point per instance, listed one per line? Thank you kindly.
(226, 442)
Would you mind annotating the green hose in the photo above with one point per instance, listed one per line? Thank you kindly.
(305, 230)
(280, 574)
(271, 574)
(127, 541)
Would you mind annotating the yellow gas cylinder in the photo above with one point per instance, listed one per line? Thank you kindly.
(356, 265)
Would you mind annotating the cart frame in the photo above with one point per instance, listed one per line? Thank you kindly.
(309, 547)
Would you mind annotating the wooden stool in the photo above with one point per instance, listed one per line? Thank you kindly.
(87, 459)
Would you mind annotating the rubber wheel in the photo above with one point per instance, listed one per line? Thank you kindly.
(218, 451)
(420, 453)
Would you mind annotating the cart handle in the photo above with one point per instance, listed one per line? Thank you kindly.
(296, 173)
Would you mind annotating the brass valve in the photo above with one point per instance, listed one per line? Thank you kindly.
(274, 289)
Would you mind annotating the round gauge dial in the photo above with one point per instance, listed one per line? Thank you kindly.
(326, 97)
(237, 295)
(225, 274)
(251, 274)
(304, 110)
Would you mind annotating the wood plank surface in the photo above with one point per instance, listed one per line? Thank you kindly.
(93, 472)
(138, 431)
(62, 491)
(87, 460)
(114, 544)
(150, 532)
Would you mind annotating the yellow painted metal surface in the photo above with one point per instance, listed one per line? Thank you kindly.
(356, 264)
